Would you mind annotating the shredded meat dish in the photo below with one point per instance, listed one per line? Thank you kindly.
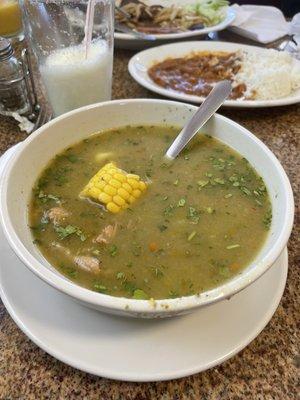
(156, 19)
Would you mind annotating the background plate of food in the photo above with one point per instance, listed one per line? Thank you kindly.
(167, 20)
(188, 70)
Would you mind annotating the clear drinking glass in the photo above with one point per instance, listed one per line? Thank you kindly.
(72, 76)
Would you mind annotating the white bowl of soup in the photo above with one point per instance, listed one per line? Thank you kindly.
(90, 205)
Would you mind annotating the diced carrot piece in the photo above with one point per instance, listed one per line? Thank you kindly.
(234, 267)
(153, 246)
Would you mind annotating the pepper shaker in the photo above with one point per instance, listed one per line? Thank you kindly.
(13, 92)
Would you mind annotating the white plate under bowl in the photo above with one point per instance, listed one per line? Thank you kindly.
(134, 349)
(128, 41)
(140, 63)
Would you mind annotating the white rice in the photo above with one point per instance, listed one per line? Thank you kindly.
(268, 74)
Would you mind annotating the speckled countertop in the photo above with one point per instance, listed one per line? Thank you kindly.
(267, 369)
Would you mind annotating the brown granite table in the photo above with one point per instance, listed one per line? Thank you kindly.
(267, 369)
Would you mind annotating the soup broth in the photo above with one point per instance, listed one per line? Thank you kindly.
(201, 220)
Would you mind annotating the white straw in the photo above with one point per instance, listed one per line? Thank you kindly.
(89, 22)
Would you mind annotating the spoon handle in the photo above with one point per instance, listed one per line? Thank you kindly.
(210, 105)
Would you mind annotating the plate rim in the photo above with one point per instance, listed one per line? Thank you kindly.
(172, 94)
(229, 18)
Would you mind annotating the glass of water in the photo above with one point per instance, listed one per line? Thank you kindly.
(73, 74)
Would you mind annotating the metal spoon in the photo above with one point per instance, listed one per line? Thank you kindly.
(210, 105)
(138, 35)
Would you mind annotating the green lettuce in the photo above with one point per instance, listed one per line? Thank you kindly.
(212, 10)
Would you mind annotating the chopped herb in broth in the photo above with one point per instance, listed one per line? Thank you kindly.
(201, 220)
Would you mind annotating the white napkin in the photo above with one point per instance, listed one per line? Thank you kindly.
(263, 24)
(295, 29)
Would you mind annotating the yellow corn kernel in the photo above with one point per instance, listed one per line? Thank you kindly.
(93, 192)
(110, 190)
(100, 184)
(133, 183)
(123, 193)
(114, 188)
(106, 177)
(104, 198)
(136, 193)
(133, 176)
(116, 184)
(119, 177)
(112, 207)
(118, 200)
(127, 187)
(142, 186)
(131, 199)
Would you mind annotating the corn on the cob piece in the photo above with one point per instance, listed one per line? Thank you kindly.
(114, 188)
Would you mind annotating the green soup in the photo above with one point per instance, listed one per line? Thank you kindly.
(202, 219)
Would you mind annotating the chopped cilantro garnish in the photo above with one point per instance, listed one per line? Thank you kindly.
(181, 203)
(220, 181)
(129, 286)
(173, 294)
(267, 219)
(137, 249)
(113, 250)
(191, 236)
(139, 294)
(169, 210)
(224, 271)
(202, 183)
(162, 227)
(157, 271)
(44, 219)
(233, 178)
(68, 231)
(245, 190)
(71, 272)
(72, 158)
(193, 215)
(120, 275)
(99, 288)
(43, 197)
(232, 246)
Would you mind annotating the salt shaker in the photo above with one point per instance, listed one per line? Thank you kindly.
(13, 93)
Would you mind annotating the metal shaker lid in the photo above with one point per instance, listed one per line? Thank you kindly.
(5, 49)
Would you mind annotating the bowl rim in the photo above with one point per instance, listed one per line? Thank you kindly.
(122, 304)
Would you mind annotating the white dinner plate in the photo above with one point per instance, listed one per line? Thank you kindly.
(140, 63)
(132, 349)
(128, 41)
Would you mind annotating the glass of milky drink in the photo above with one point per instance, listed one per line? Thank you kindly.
(73, 43)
